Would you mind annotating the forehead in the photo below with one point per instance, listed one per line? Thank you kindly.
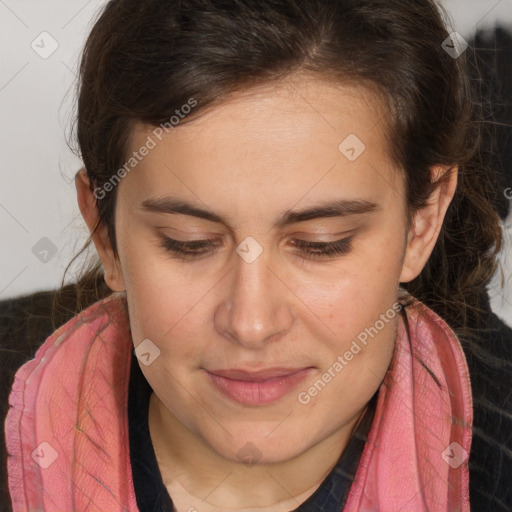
(299, 138)
(298, 105)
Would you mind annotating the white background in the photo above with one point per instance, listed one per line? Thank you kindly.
(37, 196)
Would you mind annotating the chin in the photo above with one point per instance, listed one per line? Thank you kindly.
(259, 444)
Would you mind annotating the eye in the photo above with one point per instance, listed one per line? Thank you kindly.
(324, 249)
(196, 248)
(192, 248)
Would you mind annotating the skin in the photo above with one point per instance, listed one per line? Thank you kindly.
(250, 159)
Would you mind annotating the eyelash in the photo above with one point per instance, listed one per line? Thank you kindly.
(311, 249)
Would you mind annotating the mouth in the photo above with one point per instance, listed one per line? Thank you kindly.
(257, 388)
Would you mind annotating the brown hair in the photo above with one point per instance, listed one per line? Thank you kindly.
(146, 58)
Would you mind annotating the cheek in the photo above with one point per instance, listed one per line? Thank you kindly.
(159, 294)
(353, 331)
(356, 314)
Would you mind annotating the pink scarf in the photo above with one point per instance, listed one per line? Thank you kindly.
(67, 428)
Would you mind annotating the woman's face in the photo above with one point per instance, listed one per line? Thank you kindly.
(258, 176)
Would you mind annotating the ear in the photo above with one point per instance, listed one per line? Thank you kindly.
(99, 232)
(427, 222)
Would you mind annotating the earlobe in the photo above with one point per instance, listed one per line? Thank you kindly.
(427, 222)
(99, 233)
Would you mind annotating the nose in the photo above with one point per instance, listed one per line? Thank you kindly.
(256, 307)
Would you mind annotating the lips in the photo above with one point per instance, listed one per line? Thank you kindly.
(255, 376)
(256, 388)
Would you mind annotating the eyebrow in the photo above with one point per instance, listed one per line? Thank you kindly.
(336, 208)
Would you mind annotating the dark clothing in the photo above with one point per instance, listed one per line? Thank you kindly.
(489, 359)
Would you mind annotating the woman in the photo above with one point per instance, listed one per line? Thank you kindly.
(277, 191)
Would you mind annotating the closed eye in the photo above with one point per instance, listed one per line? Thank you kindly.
(311, 249)
(323, 249)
